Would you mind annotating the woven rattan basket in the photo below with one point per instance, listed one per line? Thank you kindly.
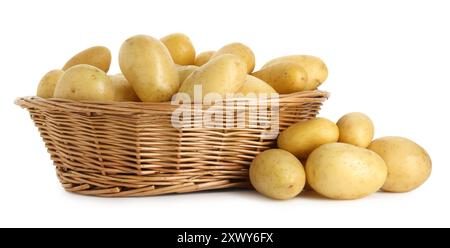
(132, 149)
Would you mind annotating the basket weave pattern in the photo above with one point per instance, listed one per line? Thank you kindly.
(131, 149)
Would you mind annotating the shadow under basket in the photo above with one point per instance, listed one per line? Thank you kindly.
(118, 149)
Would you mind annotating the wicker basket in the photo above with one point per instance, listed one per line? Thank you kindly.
(132, 149)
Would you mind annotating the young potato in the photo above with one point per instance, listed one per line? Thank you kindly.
(85, 82)
(221, 75)
(315, 68)
(256, 86)
(240, 50)
(285, 77)
(184, 71)
(356, 129)
(97, 56)
(46, 87)
(409, 165)
(277, 174)
(180, 48)
(203, 58)
(302, 138)
(345, 172)
(147, 65)
(123, 91)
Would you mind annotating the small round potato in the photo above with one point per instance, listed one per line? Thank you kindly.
(240, 50)
(123, 91)
(302, 138)
(180, 48)
(409, 165)
(97, 56)
(355, 129)
(256, 86)
(344, 172)
(277, 174)
(46, 87)
(85, 82)
(315, 68)
(284, 77)
(203, 58)
(184, 71)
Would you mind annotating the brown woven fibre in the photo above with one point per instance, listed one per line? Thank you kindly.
(131, 149)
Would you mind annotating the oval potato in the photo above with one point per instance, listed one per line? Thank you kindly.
(147, 65)
(302, 138)
(409, 165)
(285, 77)
(256, 86)
(203, 58)
(342, 171)
(356, 129)
(184, 71)
(240, 50)
(85, 82)
(315, 68)
(180, 48)
(123, 91)
(98, 56)
(46, 87)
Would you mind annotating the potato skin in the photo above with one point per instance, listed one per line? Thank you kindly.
(98, 56)
(123, 91)
(147, 65)
(277, 174)
(256, 86)
(285, 77)
(240, 50)
(85, 82)
(302, 138)
(46, 87)
(180, 48)
(345, 172)
(184, 71)
(409, 165)
(221, 75)
(355, 129)
(203, 57)
(315, 68)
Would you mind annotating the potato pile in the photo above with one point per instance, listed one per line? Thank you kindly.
(153, 70)
(341, 161)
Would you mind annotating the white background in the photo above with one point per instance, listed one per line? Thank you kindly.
(389, 59)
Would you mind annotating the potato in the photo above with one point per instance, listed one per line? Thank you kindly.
(277, 174)
(203, 58)
(85, 82)
(240, 50)
(147, 65)
(47, 85)
(285, 77)
(256, 86)
(123, 91)
(315, 68)
(409, 165)
(180, 48)
(302, 138)
(356, 129)
(342, 171)
(221, 75)
(184, 71)
(97, 56)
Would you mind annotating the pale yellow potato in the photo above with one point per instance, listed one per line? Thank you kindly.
(315, 68)
(277, 174)
(221, 75)
(240, 50)
(85, 82)
(180, 48)
(184, 71)
(345, 172)
(147, 65)
(355, 129)
(98, 56)
(409, 165)
(285, 77)
(203, 57)
(123, 90)
(302, 138)
(256, 86)
(46, 87)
